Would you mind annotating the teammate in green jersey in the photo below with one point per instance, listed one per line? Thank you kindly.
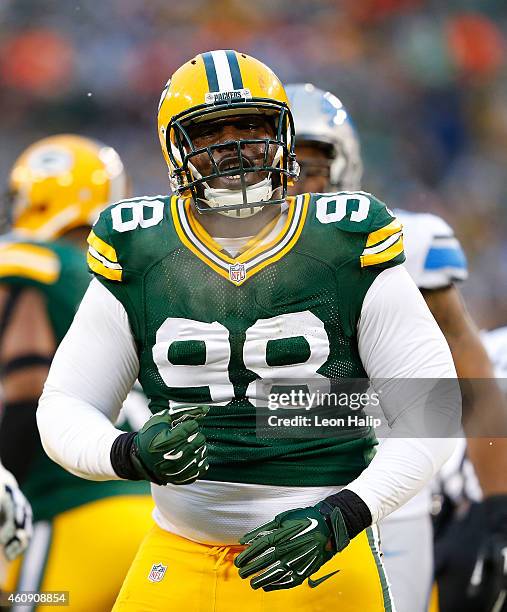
(58, 187)
(205, 297)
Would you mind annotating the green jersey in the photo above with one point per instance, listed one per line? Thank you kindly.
(207, 325)
(58, 270)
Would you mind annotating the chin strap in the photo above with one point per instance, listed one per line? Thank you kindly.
(260, 192)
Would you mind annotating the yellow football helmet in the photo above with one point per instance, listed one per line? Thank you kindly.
(219, 84)
(63, 182)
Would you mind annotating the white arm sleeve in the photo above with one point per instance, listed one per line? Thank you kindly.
(94, 368)
(399, 339)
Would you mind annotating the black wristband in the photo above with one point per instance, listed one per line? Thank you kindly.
(356, 514)
(121, 452)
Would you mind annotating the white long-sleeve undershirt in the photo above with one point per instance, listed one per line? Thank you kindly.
(96, 365)
(92, 372)
(399, 341)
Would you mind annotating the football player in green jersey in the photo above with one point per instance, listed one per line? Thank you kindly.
(58, 186)
(207, 295)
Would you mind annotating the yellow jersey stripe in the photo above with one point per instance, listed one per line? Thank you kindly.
(254, 246)
(102, 247)
(27, 272)
(251, 253)
(29, 261)
(286, 240)
(289, 245)
(393, 251)
(99, 268)
(258, 237)
(203, 235)
(188, 243)
(382, 246)
(383, 233)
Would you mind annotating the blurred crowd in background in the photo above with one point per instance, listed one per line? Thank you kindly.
(424, 80)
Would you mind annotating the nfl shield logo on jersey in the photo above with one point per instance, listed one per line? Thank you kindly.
(237, 273)
(157, 572)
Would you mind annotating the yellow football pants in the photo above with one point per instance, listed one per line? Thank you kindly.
(433, 604)
(171, 573)
(86, 551)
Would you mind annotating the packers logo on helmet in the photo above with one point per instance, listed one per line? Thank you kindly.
(63, 182)
(214, 86)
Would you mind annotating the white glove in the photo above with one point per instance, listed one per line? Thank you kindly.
(15, 516)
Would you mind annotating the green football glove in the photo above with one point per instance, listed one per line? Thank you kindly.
(164, 450)
(285, 552)
(166, 453)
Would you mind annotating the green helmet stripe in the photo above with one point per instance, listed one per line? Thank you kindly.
(211, 72)
(237, 79)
